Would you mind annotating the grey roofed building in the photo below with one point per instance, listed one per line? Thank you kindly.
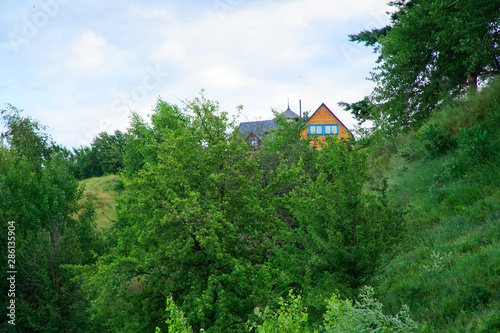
(259, 129)
(256, 128)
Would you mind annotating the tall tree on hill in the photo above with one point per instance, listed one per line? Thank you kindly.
(432, 50)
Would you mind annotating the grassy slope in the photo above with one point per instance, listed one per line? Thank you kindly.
(104, 194)
(447, 180)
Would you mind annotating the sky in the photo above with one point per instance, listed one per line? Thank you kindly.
(81, 67)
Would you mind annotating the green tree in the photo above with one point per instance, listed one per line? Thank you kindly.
(52, 228)
(143, 138)
(104, 156)
(339, 231)
(191, 223)
(431, 51)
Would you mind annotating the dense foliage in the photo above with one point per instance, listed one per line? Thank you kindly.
(104, 156)
(219, 233)
(364, 315)
(52, 228)
(446, 177)
(431, 51)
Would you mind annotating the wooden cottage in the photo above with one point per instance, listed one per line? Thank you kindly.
(323, 123)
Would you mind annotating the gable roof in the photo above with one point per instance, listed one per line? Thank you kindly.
(323, 104)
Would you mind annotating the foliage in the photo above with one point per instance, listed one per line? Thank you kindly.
(191, 223)
(215, 224)
(52, 228)
(104, 156)
(365, 316)
(221, 229)
(430, 51)
(435, 141)
(339, 231)
(143, 138)
(361, 110)
(291, 317)
(445, 270)
(25, 136)
(176, 322)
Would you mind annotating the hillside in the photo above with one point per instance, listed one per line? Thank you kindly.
(445, 177)
(104, 192)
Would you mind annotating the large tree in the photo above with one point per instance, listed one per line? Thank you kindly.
(432, 50)
(191, 224)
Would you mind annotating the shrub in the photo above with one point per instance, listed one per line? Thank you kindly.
(290, 317)
(176, 322)
(341, 316)
(365, 316)
(435, 140)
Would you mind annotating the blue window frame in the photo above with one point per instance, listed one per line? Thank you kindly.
(253, 142)
(327, 129)
(315, 129)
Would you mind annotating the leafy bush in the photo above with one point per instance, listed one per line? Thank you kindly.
(365, 316)
(435, 140)
(176, 322)
(341, 316)
(291, 317)
(473, 142)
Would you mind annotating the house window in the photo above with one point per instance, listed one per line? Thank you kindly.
(331, 129)
(315, 129)
(253, 142)
(328, 129)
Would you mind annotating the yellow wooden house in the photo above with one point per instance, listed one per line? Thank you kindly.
(323, 123)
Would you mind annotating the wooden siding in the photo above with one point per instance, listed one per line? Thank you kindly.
(323, 116)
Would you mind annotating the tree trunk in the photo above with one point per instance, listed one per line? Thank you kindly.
(472, 81)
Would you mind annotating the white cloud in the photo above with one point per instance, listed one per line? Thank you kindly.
(91, 54)
(87, 52)
(340, 10)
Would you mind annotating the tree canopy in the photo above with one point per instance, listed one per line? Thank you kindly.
(431, 51)
(53, 227)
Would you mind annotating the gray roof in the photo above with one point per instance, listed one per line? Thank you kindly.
(261, 128)
(257, 128)
(289, 114)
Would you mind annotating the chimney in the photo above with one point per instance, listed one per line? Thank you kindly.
(300, 108)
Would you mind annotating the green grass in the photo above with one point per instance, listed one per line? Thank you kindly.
(448, 267)
(104, 192)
